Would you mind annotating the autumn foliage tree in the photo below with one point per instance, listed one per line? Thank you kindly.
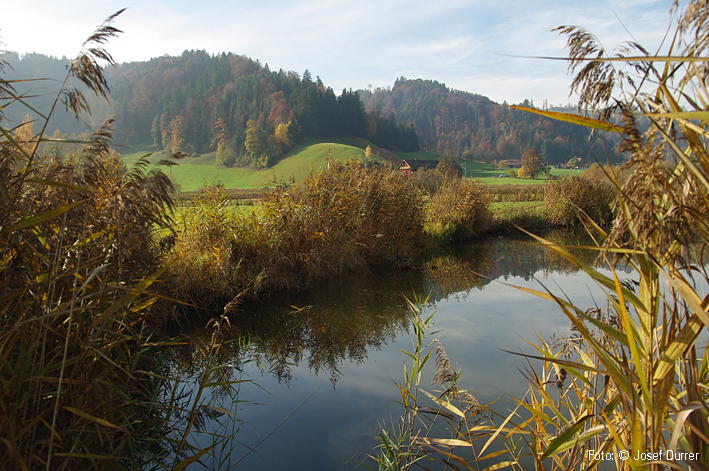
(448, 167)
(531, 163)
(178, 131)
(255, 144)
(24, 135)
(225, 147)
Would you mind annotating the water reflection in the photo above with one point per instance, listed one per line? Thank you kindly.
(336, 322)
(342, 320)
(346, 333)
(475, 265)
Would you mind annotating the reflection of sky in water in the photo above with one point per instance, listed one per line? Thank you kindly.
(338, 424)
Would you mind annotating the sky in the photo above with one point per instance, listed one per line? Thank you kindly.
(479, 46)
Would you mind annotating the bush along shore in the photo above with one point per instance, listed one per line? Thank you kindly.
(352, 215)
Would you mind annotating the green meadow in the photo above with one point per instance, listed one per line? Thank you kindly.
(486, 174)
(193, 173)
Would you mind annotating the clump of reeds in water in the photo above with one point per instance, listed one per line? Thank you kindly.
(457, 211)
(566, 197)
(345, 217)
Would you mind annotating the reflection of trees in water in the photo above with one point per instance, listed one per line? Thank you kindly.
(342, 319)
(330, 324)
(474, 265)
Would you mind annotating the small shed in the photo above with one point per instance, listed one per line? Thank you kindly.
(512, 163)
(410, 166)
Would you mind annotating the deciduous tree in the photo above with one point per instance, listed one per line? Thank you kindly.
(448, 167)
(255, 141)
(531, 162)
(24, 135)
(178, 131)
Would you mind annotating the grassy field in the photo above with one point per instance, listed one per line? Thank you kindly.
(194, 173)
(423, 155)
(484, 173)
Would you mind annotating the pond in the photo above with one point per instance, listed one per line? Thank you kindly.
(323, 363)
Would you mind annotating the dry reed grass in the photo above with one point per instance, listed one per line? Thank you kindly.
(516, 193)
(349, 216)
(634, 377)
(457, 211)
(79, 387)
(565, 198)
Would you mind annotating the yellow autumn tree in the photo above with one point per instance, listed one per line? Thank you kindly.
(281, 133)
(24, 135)
(368, 152)
(532, 162)
(178, 130)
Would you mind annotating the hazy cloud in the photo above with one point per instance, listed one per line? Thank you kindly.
(468, 45)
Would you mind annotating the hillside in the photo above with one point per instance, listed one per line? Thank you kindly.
(193, 173)
(473, 127)
(249, 116)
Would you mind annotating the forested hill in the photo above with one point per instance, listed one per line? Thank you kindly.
(251, 116)
(472, 126)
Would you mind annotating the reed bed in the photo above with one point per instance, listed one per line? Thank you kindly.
(349, 216)
(565, 198)
(457, 211)
(82, 371)
(516, 193)
(235, 197)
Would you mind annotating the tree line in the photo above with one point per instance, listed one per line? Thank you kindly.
(248, 114)
(252, 116)
(475, 128)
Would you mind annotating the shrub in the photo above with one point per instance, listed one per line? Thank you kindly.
(370, 212)
(458, 211)
(429, 179)
(564, 199)
(202, 271)
(350, 215)
(604, 173)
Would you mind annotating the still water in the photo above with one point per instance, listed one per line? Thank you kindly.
(323, 363)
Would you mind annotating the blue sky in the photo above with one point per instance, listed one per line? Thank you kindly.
(466, 44)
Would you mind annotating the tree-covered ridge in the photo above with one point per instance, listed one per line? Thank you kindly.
(252, 116)
(197, 103)
(249, 114)
(474, 127)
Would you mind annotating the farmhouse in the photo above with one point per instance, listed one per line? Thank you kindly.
(512, 163)
(409, 166)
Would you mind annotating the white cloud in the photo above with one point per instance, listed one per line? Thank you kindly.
(465, 44)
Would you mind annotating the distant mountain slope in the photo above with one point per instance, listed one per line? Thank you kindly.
(252, 117)
(463, 123)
